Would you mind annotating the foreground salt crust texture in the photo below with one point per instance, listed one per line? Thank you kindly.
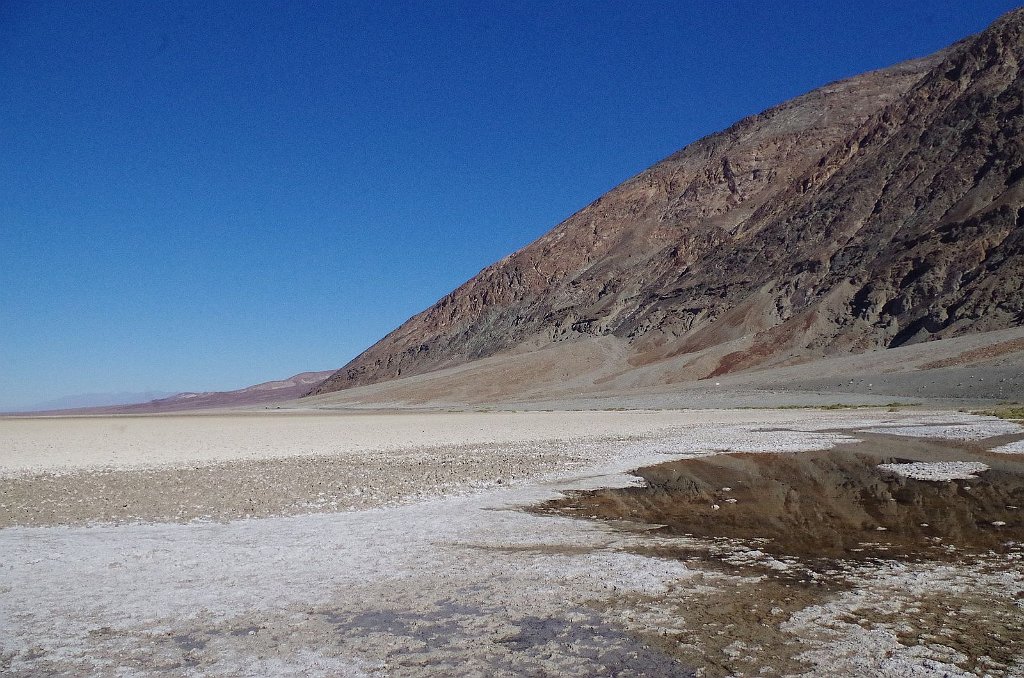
(466, 585)
(838, 638)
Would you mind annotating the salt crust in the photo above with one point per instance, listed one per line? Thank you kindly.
(838, 645)
(87, 599)
(36, 445)
(937, 470)
(949, 426)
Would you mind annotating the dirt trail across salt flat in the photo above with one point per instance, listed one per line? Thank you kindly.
(443, 571)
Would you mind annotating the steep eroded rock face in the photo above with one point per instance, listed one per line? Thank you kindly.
(873, 212)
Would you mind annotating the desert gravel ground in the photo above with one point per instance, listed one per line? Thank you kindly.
(335, 544)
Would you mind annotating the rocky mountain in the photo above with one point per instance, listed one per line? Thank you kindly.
(874, 212)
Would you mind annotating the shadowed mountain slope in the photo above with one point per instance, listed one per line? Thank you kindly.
(874, 212)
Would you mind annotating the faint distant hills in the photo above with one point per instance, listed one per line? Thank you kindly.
(143, 403)
(94, 400)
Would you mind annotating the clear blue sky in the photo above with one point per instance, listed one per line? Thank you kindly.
(204, 195)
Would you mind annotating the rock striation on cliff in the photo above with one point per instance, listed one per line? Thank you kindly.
(874, 212)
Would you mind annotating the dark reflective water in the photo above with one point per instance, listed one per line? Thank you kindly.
(836, 503)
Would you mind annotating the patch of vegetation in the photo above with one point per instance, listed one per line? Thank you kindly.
(893, 406)
(1013, 411)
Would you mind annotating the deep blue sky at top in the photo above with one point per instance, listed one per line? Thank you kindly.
(203, 195)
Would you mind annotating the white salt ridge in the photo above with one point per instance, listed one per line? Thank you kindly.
(938, 471)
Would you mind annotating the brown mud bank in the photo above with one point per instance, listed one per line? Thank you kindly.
(854, 501)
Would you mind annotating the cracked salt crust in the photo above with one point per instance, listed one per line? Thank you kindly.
(138, 598)
(61, 584)
(937, 470)
(851, 636)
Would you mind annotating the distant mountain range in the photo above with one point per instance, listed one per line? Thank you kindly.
(138, 403)
(94, 400)
(875, 212)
